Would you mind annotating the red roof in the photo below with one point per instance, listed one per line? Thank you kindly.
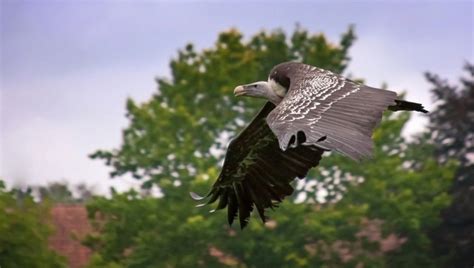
(71, 225)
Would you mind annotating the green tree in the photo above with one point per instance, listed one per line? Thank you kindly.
(61, 192)
(192, 109)
(452, 131)
(374, 213)
(24, 232)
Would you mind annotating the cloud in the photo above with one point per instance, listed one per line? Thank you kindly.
(48, 131)
(70, 67)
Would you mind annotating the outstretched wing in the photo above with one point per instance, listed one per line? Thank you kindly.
(325, 109)
(257, 173)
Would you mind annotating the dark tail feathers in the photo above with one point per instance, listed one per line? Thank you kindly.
(401, 105)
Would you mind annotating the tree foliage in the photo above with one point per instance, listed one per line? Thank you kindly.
(172, 132)
(62, 192)
(24, 232)
(452, 131)
(374, 213)
(452, 123)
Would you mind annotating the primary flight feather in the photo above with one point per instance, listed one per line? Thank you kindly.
(310, 110)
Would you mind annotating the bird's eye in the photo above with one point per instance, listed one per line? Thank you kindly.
(254, 85)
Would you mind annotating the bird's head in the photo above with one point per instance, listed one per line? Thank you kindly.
(260, 89)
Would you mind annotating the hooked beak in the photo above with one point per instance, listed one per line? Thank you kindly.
(257, 90)
(239, 91)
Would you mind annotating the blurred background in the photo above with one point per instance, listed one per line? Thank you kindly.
(112, 111)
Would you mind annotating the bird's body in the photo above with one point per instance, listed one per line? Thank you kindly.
(310, 110)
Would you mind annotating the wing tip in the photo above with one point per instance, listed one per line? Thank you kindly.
(402, 105)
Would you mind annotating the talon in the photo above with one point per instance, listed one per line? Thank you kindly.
(196, 196)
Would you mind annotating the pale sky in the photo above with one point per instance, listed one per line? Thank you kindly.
(68, 66)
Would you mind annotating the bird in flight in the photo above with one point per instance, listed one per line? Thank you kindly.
(309, 111)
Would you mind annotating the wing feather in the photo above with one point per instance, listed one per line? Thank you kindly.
(334, 113)
(321, 111)
(256, 173)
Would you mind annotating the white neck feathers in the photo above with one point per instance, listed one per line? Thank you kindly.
(278, 89)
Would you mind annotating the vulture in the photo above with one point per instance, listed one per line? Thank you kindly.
(309, 111)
